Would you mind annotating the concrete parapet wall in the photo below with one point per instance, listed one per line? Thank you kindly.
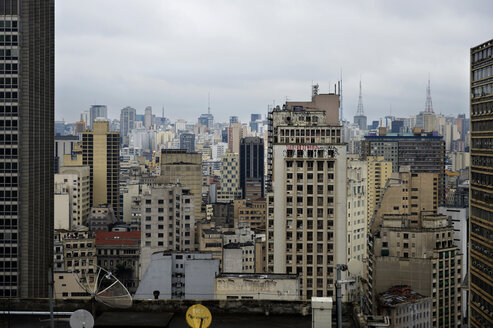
(215, 306)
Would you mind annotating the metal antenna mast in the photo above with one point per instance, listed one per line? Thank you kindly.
(429, 103)
(360, 111)
(209, 105)
(341, 118)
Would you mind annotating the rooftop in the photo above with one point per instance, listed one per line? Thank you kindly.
(399, 295)
(118, 238)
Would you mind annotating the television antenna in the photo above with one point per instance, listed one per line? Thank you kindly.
(105, 288)
(81, 319)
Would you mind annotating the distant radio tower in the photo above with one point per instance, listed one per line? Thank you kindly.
(209, 105)
(429, 103)
(360, 111)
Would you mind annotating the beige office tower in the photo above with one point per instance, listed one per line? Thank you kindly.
(186, 168)
(356, 208)
(410, 244)
(230, 178)
(236, 131)
(379, 171)
(101, 152)
(306, 217)
(74, 180)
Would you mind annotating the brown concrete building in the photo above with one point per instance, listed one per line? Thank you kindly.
(481, 204)
(251, 211)
(185, 168)
(410, 244)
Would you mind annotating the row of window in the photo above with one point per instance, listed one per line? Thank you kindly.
(482, 55)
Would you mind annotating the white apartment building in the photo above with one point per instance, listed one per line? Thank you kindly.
(73, 182)
(167, 221)
(306, 217)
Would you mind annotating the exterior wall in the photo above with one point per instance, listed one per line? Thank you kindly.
(252, 167)
(268, 287)
(66, 286)
(251, 212)
(179, 276)
(481, 204)
(329, 103)
(75, 180)
(62, 211)
(64, 145)
(411, 314)
(79, 253)
(379, 171)
(232, 260)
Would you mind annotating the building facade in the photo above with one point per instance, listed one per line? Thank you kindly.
(74, 180)
(422, 152)
(185, 168)
(27, 129)
(127, 120)
(306, 207)
(379, 172)
(187, 141)
(481, 204)
(252, 167)
(100, 150)
(230, 178)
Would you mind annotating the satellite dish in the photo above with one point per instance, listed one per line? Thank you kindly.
(198, 316)
(105, 288)
(355, 267)
(81, 319)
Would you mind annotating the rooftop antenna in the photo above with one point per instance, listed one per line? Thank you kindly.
(341, 118)
(429, 103)
(360, 111)
(209, 105)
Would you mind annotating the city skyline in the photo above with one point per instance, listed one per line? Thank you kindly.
(179, 53)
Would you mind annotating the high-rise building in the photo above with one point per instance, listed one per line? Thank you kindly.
(74, 180)
(481, 204)
(411, 244)
(379, 171)
(233, 119)
(148, 117)
(27, 128)
(207, 120)
(95, 112)
(177, 165)
(423, 152)
(252, 167)
(230, 178)
(235, 132)
(167, 220)
(64, 145)
(306, 205)
(187, 141)
(100, 150)
(127, 120)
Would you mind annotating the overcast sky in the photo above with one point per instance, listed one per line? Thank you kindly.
(249, 54)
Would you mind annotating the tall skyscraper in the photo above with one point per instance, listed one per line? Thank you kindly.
(101, 152)
(148, 117)
(252, 167)
(27, 127)
(306, 215)
(95, 112)
(187, 141)
(127, 120)
(481, 205)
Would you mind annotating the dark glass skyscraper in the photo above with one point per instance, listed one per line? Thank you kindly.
(481, 200)
(252, 167)
(26, 146)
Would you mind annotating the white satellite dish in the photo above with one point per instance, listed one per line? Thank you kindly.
(104, 287)
(355, 267)
(81, 319)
